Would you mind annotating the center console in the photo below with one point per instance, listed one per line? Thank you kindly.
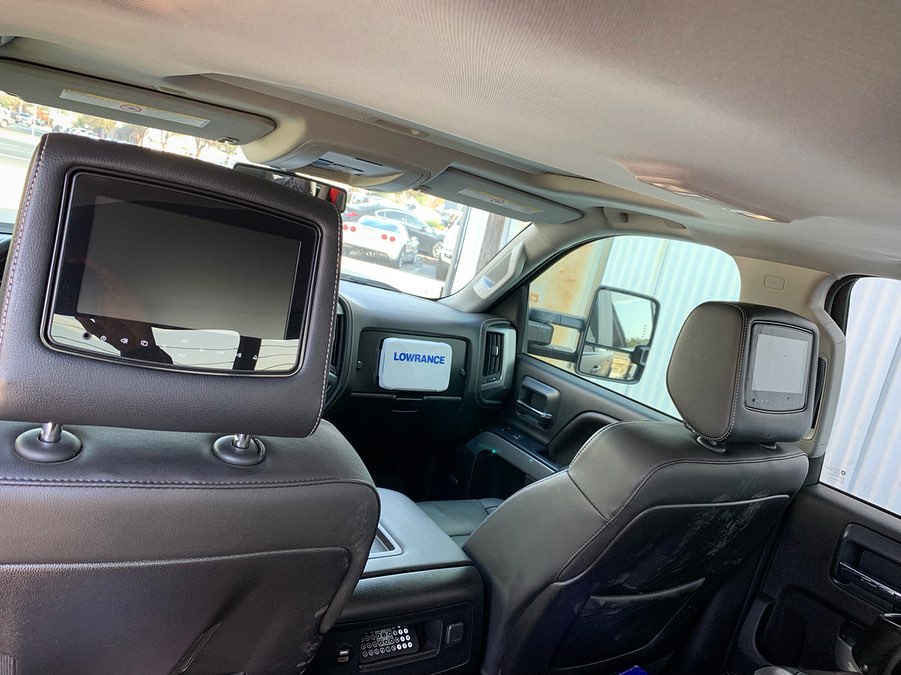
(417, 609)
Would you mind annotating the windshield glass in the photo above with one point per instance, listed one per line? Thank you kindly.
(410, 241)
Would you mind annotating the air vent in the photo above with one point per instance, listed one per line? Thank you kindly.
(336, 358)
(499, 350)
(494, 354)
(338, 342)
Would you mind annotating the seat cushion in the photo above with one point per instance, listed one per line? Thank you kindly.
(460, 517)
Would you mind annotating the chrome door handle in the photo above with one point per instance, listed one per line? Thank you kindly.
(525, 409)
(870, 584)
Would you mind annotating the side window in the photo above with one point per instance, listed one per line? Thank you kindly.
(861, 458)
(678, 275)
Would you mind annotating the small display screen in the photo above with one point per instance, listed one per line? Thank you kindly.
(779, 368)
(155, 274)
(780, 364)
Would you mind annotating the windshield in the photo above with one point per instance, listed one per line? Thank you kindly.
(410, 241)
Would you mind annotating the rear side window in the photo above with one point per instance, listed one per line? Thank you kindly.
(862, 458)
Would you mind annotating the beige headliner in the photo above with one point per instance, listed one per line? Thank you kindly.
(786, 107)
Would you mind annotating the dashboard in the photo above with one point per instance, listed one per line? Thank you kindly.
(482, 350)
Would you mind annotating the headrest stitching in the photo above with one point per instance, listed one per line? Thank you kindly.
(597, 433)
(20, 230)
(738, 372)
(331, 330)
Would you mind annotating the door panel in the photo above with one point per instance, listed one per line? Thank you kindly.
(810, 607)
(582, 409)
(546, 420)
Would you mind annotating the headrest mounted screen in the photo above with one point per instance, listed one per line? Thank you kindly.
(745, 373)
(170, 278)
(779, 364)
(154, 291)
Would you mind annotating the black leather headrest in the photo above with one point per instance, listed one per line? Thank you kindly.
(726, 354)
(39, 384)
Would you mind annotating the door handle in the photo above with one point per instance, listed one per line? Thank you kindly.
(537, 402)
(855, 576)
(525, 409)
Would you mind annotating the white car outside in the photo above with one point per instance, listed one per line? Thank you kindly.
(387, 238)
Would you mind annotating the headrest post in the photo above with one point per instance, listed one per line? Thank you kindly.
(240, 450)
(47, 445)
(51, 432)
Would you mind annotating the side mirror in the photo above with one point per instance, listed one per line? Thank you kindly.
(315, 188)
(618, 337)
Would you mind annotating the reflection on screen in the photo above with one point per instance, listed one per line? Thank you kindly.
(216, 350)
(780, 364)
(156, 267)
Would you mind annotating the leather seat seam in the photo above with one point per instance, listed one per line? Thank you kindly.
(17, 246)
(331, 339)
(580, 549)
(6, 480)
(674, 462)
(737, 373)
(579, 488)
(513, 496)
(601, 431)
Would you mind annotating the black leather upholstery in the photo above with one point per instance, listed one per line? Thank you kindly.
(147, 553)
(608, 563)
(127, 557)
(39, 383)
(459, 518)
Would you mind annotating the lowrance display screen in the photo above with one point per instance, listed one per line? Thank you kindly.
(407, 364)
(779, 368)
(167, 277)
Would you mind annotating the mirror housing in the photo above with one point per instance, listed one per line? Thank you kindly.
(316, 188)
(617, 339)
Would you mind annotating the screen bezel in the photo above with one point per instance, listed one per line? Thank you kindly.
(84, 186)
(777, 401)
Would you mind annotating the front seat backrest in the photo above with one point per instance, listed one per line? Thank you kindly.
(606, 564)
(146, 552)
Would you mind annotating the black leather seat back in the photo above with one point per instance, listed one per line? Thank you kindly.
(146, 553)
(607, 564)
(658, 590)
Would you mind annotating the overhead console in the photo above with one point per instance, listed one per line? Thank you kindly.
(480, 193)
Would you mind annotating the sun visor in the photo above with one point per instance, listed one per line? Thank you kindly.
(126, 103)
(464, 188)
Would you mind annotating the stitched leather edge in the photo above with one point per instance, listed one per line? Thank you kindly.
(75, 482)
(736, 387)
(20, 232)
(516, 494)
(331, 330)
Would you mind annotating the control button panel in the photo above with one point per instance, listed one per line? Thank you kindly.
(387, 642)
